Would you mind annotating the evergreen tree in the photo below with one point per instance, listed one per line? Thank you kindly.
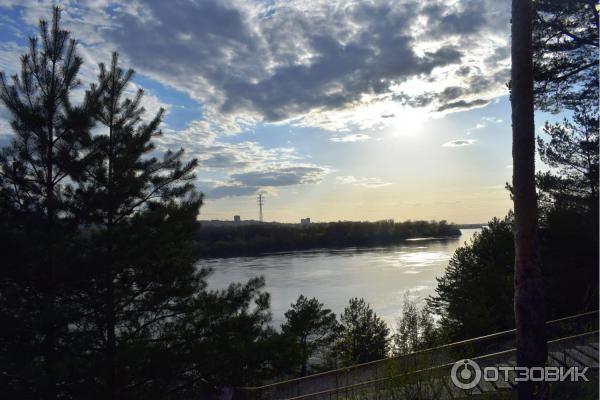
(312, 326)
(139, 212)
(34, 168)
(100, 296)
(565, 53)
(474, 296)
(565, 43)
(572, 152)
(566, 74)
(226, 340)
(363, 335)
(568, 201)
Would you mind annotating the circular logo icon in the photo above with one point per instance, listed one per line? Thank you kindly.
(465, 374)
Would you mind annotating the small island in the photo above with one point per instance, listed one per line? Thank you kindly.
(241, 238)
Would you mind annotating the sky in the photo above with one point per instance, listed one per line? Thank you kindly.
(335, 110)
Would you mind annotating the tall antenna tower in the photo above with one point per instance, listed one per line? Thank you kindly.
(261, 201)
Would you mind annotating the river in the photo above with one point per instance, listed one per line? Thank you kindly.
(380, 275)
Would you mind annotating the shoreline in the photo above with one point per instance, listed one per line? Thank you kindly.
(319, 249)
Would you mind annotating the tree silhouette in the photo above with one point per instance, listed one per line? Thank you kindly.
(363, 335)
(573, 151)
(565, 45)
(139, 211)
(474, 296)
(416, 330)
(565, 50)
(100, 295)
(311, 325)
(49, 132)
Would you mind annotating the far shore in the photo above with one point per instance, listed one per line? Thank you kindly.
(220, 239)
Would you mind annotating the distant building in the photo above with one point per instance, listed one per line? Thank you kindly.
(305, 221)
(236, 218)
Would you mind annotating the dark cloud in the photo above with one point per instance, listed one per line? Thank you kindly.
(281, 177)
(276, 59)
(221, 157)
(353, 69)
(230, 191)
(500, 54)
(283, 63)
(464, 104)
(442, 22)
(414, 101)
(247, 183)
(464, 70)
(450, 93)
(189, 44)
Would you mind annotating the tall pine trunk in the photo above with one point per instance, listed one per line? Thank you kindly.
(529, 290)
(111, 340)
(111, 356)
(49, 313)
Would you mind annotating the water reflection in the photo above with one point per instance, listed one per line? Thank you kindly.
(381, 275)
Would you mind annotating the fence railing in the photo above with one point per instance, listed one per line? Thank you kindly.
(410, 365)
(421, 383)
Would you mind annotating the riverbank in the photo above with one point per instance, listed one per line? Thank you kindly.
(251, 239)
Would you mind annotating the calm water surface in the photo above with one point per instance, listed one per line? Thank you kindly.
(381, 275)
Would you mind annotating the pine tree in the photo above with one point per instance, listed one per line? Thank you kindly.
(565, 45)
(573, 152)
(565, 53)
(140, 212)
(226, 341)
(363, 335)
(35, 168)
(529, 285)
(312, 326)
(100, 296)
(474, 296)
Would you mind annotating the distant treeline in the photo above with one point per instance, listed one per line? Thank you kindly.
(231, 239)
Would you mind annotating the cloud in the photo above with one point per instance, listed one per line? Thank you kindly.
(251, 61)
(251, 182)
(345, 180)
(464, 104)
(9, 57)
(312, 64)
(494, 120)
(281, 176)
(365, 182)
(469, 18)
(459, 143)
(202, 141)
(246, 166)
(233, 190)
(350, 138)
(484, 123)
